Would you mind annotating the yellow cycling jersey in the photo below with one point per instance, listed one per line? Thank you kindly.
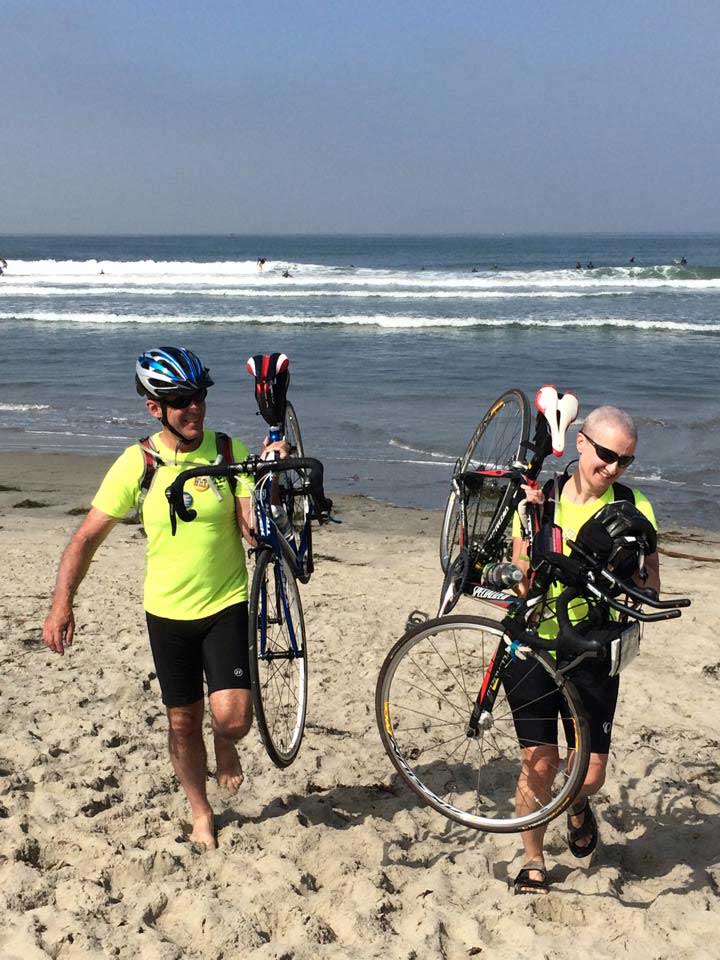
(201, 570)
(570, 517)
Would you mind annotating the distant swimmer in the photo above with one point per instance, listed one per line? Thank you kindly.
(495, 267)
(474, 270)
(683, 262)
(3, 265)
(287, 274)
(261, 262)
(578, 265)
(632, 259)
(102, 273)
(590, 265)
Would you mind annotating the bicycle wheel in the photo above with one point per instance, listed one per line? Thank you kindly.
(278, 657)
(297, 504)
(292, 431)
(496, 444)
(425, 694)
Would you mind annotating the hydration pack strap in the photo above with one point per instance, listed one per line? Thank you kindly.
(225, 452)
(272, 378)
(152, 461)
(553, 488)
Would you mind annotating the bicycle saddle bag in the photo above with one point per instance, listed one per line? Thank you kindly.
(272, 378)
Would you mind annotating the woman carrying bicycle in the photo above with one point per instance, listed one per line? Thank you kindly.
(195, 585)
(606, 447)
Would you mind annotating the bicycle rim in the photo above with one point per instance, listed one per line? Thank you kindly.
(497, 443)
(424, 698)
(278, 667)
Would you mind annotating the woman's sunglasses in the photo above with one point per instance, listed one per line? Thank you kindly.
(609, 456)
(182, 403)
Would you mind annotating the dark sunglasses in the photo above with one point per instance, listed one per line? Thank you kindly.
(183, 402)
(609, 456)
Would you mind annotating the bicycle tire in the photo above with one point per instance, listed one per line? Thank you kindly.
(298, 504)
(434, 667)
(292, 431)
(278, 673)
(500, 452)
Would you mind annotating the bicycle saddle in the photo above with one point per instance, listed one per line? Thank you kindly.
(560, 410)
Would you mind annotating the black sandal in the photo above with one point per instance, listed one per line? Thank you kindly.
(523, 882)
(588, 828)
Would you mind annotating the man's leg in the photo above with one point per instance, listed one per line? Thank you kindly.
(231, 720)
(189, 760)
(227, 668)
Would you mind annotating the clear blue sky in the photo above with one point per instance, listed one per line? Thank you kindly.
(359, 116)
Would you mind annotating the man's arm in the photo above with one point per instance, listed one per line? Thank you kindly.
(244, 514)
(59, 625)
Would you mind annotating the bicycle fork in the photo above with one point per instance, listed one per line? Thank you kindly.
(481, 717)
(283, 616)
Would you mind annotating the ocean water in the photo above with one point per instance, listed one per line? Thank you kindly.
(397, 344)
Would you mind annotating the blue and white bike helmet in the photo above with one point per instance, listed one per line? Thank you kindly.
(170, 371)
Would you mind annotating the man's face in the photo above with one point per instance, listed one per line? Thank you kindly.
(598, 474)
(188, 421)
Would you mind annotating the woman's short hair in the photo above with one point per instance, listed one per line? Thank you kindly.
(613, 416)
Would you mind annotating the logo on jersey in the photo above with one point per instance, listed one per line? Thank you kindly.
(187, 499)
(201, 483)
(238, 671)
(607, 726)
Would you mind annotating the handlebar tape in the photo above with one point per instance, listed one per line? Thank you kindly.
(260, 468)
(568, 639)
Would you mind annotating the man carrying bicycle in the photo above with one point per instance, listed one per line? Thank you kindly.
(606, 447)
(195, 593)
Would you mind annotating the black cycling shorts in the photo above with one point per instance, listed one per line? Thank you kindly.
(537, 704)
(185, 649)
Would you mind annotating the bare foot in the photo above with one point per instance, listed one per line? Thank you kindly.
(204, 831)
(229, 771)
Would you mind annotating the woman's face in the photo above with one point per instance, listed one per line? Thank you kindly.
(598, 474)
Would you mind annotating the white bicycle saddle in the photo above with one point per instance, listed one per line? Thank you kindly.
(560, 410)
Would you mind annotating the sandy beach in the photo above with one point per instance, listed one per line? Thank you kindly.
(333, 857)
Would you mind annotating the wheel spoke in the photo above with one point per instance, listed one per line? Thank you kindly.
(488, 779)
(281, 683)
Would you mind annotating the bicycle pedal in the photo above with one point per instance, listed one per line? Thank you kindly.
(415, 619)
